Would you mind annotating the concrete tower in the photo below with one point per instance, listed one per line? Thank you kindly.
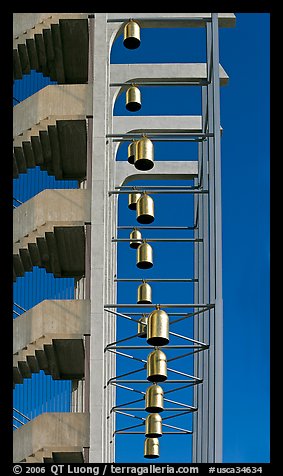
(69, 130)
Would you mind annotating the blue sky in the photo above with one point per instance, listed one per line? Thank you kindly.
(244, 54)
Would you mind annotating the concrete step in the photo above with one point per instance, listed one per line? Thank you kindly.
(56, 47)
(61, 149)
(57, 436)
(49, 232)
(50, 337)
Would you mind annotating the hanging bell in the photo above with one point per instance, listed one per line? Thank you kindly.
(142, 325)
(144, 159)
(131, 35)
(144, 256)
(144, 294)
(133, 99)
(154, 399)
(135, 235)
(145, 209)
(151, 448)
(156, 366)
(158, 328)
(132, 201)
(153, 425)
(132, 151)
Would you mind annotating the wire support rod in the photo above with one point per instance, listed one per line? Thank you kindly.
(156, 280)
(18, 201)
(170, 381)
(139, 409)
(122, 315)
(19, 413)
(156, 240)
(168, 313)
(156, 227)
(119, 432)
(201, 82)
(150, 306)
(159, 191)
(159, 19)
(143, 393)
(192, 314)
(160, 134)
(120, 340)
(20, 307)
(145, 362)
(143, 422)
(165, 187)
(151, 347)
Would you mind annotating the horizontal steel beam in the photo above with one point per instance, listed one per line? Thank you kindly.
(150, 306)
(155, 240)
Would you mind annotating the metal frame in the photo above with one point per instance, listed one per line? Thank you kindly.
(207, 308)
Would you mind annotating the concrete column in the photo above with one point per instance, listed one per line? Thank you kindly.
(100, 240)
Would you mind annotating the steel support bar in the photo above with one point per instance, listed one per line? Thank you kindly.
(153, 191)
(149, 347)
(155, 240)
(133, 409)
(155, 227)
(155, 280)
(201, 82)
(185, 432)
(170, 381)
(159, 134)
(159, 19)
(150, 306)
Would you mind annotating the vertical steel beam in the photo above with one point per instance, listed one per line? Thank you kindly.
(218, 244)
(100, 239)
(214, 366)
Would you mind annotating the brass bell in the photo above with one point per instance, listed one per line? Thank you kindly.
(142, 325)
(131, 35)
(154, 399)
(145, 209)
(132, 151)
(133, 99)
(144, 159)
(151, 448)
(132, 201)
(158, 328)
(156, 366)
(144, 256)
(144, 293)
(153, 425)
(135, 235)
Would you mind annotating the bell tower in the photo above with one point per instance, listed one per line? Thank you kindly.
(70, 130)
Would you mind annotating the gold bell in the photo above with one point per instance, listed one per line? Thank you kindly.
(145, 209)
(142, 324)
(132, 151)
(158, 328)
(144, 256)
(144, 293)
(153, 425)
(131, 35)
(151, 448)
(135, 235)
(154, 399)
(133, 99)
(144, 159)
(156, 366)
(132, 201)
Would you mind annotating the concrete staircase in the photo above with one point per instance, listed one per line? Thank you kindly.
(52, 438)
(57, 46)
(50, 337)
(60, 149)
(49, 232)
